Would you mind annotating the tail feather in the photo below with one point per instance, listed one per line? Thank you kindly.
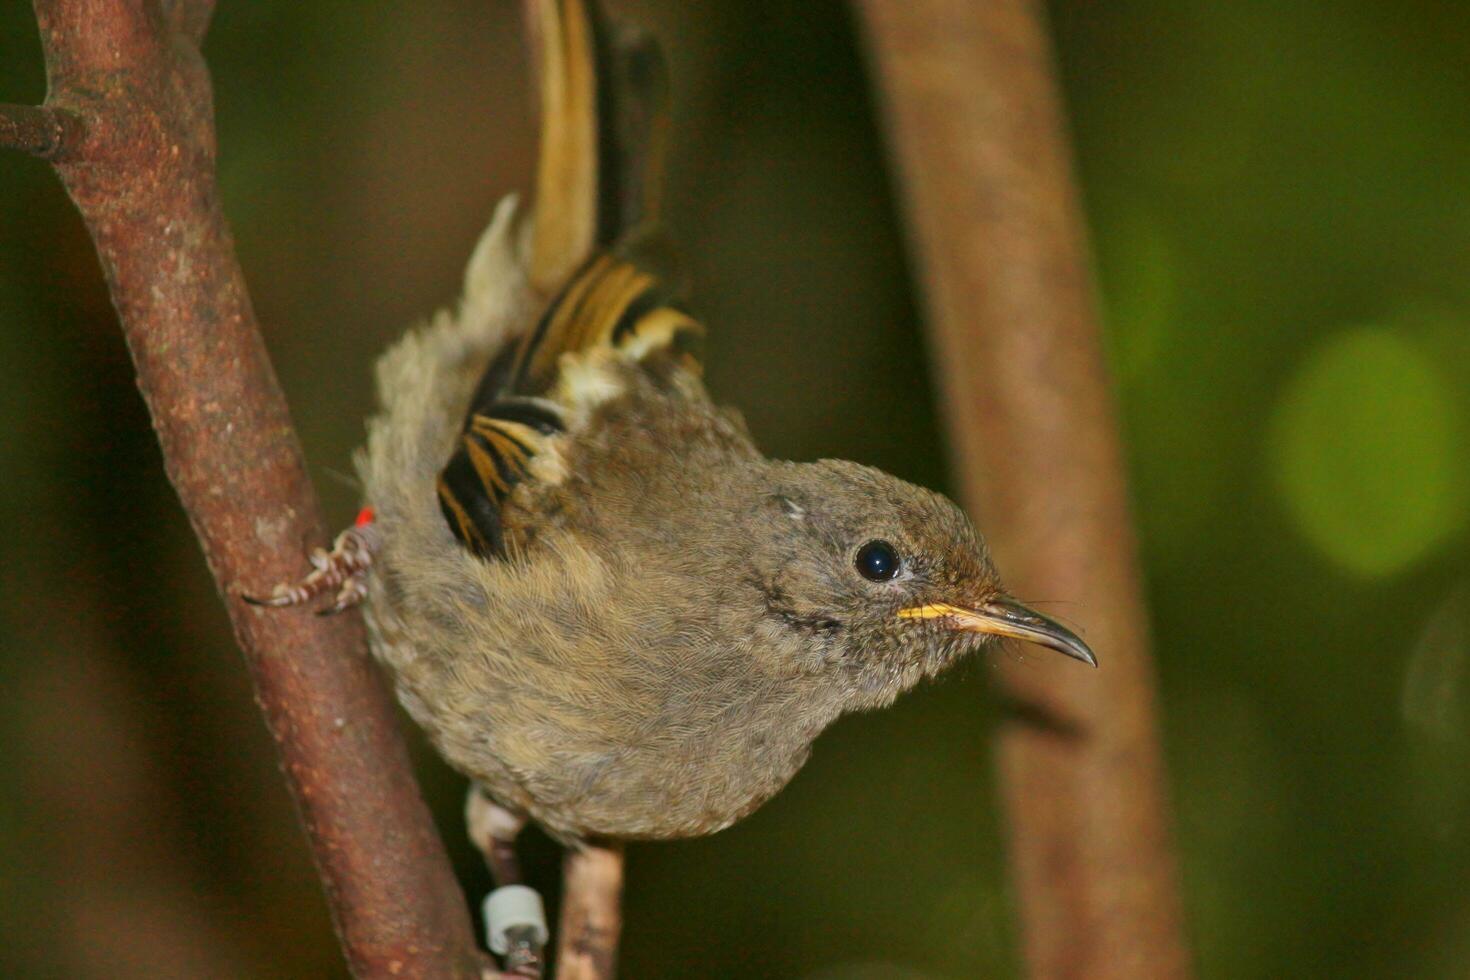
(603, 99)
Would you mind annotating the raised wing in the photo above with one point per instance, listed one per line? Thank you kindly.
(602, 96)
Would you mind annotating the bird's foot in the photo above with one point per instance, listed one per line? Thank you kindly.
(342, 570)
(526, 957)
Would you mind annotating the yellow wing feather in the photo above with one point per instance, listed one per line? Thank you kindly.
(602, 123)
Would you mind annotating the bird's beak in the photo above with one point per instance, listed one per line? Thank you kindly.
(1004, 616)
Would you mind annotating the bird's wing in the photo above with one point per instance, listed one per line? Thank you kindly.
(602, 94)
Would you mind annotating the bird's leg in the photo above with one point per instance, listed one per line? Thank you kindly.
(515, 923)
(343, 570)
(494, 830)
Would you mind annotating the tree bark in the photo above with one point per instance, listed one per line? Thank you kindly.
(128, 124)
(976, 129)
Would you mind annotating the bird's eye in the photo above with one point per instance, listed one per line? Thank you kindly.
(877, 561)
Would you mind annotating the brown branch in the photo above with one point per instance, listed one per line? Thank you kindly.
(39, 130)
(591, 916)
(976, 129)
(140, 168)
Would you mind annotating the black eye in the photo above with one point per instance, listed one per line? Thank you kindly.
(877, 561)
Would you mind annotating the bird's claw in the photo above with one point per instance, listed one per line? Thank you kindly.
(525, 958)
(342, 570)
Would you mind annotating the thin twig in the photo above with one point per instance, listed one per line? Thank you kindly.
(143, 178)
(189, 18)
(41, 131)
(976, 129)
(591, 915)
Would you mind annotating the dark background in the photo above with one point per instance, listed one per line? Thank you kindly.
(1280, 206)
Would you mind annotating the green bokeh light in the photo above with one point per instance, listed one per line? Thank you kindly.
(1367, 451)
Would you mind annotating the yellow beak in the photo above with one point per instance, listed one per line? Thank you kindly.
(1007, 617)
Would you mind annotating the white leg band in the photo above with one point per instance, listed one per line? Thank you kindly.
(514, 907)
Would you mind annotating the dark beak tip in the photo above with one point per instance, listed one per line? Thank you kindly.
(1073, 647)
(1038, 628)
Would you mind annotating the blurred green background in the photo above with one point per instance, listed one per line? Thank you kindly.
(1279, 198)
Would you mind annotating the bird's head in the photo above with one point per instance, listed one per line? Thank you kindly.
(876, 583)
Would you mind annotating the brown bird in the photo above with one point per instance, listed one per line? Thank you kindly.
(597, 597)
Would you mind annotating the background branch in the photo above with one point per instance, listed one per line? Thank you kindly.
(976, 129)
(591, 913)
(139, 165)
